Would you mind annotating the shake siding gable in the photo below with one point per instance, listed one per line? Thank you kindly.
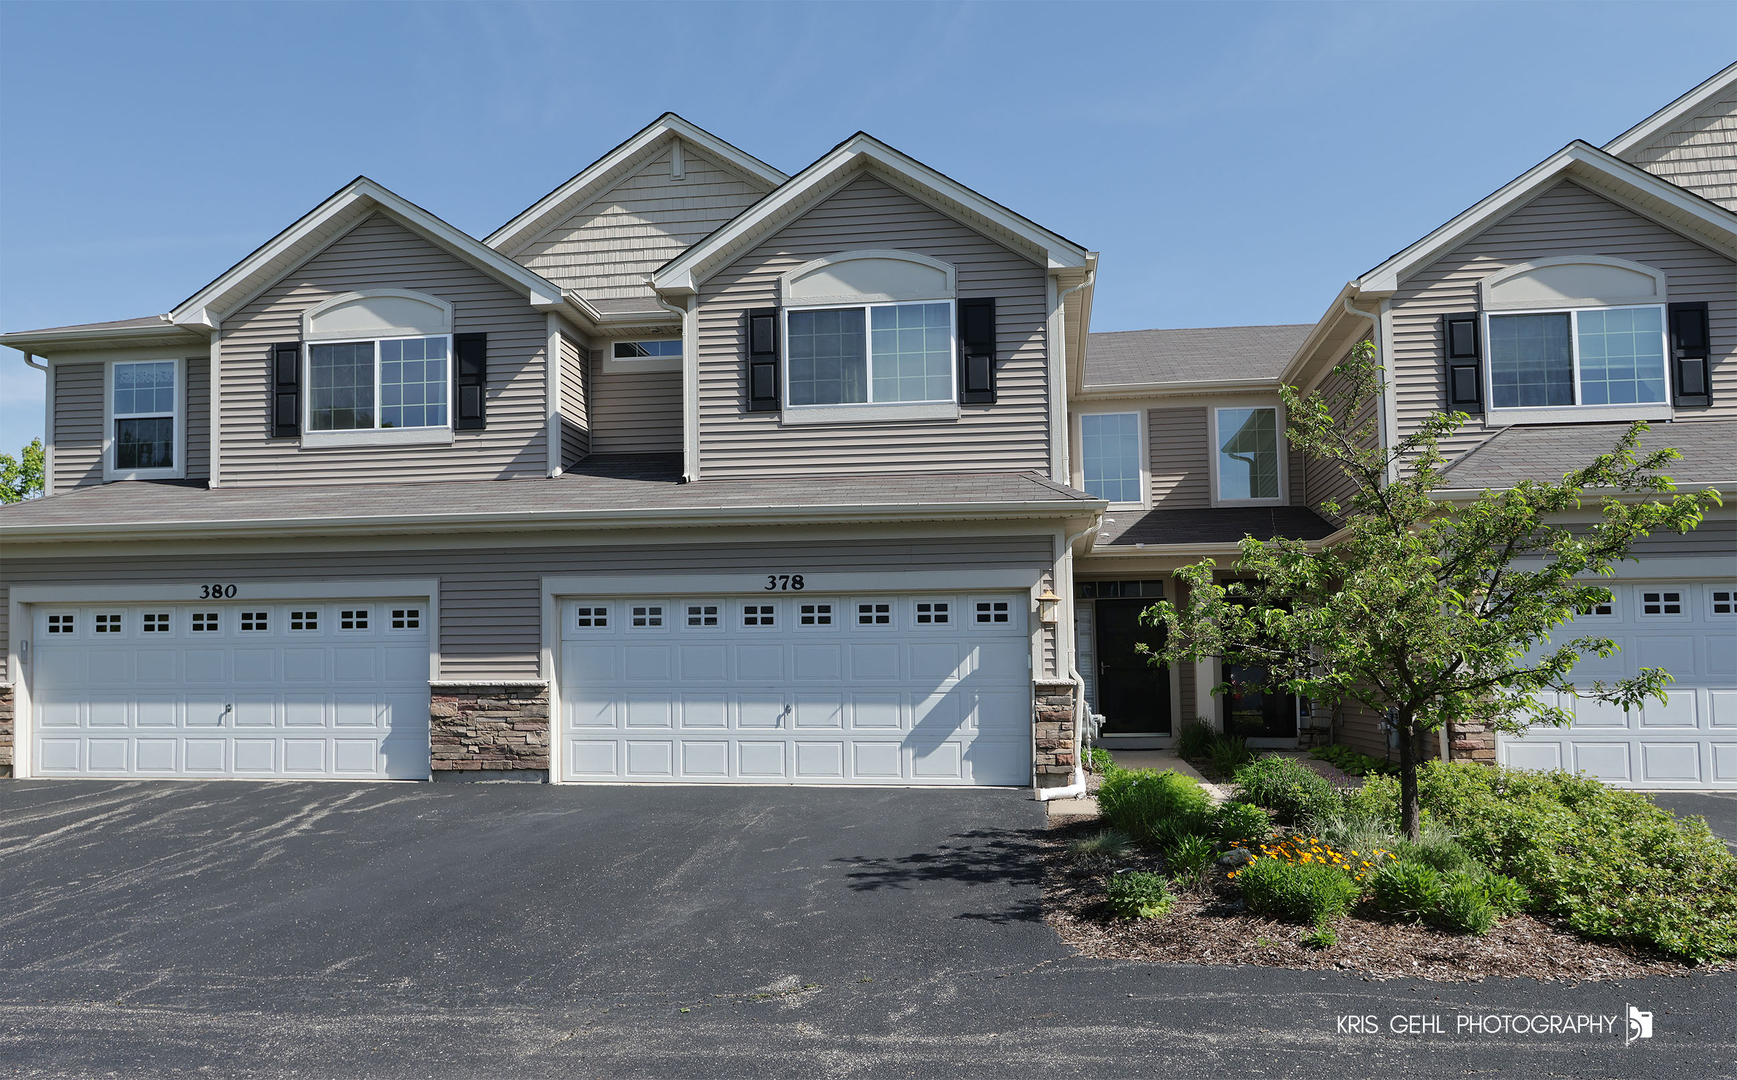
(1181, 463)
(607, 247)
(377, 254)
(575, 398)
(1566, 219)
(1699, 152)
(78, 425)
(868, 213)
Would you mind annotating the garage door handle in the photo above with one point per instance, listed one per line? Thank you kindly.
(227, 709)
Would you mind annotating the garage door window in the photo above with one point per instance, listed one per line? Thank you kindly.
(646, 616)
(704, 617)
(1722, 601)
(993, 613)
(814, 615)
(62, 624)
(255, 622)
(758, 615)
(1664, 602)
(305, 620)
(874, 614)
(934, 613)
(108, 624)
(206, 622)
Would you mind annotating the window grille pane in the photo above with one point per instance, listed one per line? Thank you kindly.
(406, 618)
(413, 382)
(702, 615)
(145, 443)
(827, 358)
(353, 619)
(1110, 456)
(108, 624)
(341, 386)
(1248, 453)
(815, 615)
(62, 624)
(911, 346)
(157, 623)
(206, 622)
(304, 620)
(255, 620)
(642, 350)
(1622, 356)
(145, 388)
(1531, 363)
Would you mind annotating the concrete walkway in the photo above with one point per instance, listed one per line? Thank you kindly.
(1157, 761)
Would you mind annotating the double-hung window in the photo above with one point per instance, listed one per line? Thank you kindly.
(1246, 454)
(377, 384)
(145, 416)
(1110, 456)
(1579, 357)
(870, 354)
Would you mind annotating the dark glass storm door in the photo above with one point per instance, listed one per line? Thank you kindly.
(1133, 695)
(1255, 714)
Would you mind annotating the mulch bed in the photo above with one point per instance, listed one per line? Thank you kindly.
(1209, 926)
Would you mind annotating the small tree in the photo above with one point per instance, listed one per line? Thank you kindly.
(1428, 612)
(21, 479)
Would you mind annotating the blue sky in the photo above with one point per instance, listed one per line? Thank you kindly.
(1234, 163)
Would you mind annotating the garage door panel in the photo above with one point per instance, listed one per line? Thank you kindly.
(356, 664)
(649, 663)
(937, 662)
(939, 715)
(823, 663)
(206, 756)
(304, 710)
(256, 757)
(65, 665)
(1533, 754)
(152, 756)
(1722, 654)
(760, 663)
(354, 757)
(304, 665)
(760, 711)
(874, 661)
(705, 760)
(820, 711)
(205, 711)
(157, 711)
(255, 665)
(704, 712)
(55, 756)
(111, 755)
(207, 665)
(1678, 711)
(819, 760)
(697, 663)
(1722, 708)
(593, 760)
(650, 711)
(876, 760)
(1609, 761)
(110, 667)
(357, 711)
(1592, 713)
(1674, 653)
(760, 759)
(1670, 763)
(253, 711)
(304, 756)
(590, 665)
(592, 712)
(650, 758)
(65, 714)
(1724, 755)
(943, 761)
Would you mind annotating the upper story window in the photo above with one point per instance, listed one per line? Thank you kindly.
(1110, 456)
(652, 354)
(385, 383)
(145, 412)
(873, 353)
(1583, 356)
(1246, 455)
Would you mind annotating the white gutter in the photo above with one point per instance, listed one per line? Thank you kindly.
(1112, 391)
(1078, 787)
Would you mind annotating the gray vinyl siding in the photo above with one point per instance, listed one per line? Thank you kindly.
(866, 212)
(1324, 480)
(1567, 219)
(1699, 152)
(1176, 440)
(1716, 538)
(606, 248)
(575, 401)
(635, 412)
(1185, 685)
(78, 425)
(379, 253)
(490, 601)
(198, 420)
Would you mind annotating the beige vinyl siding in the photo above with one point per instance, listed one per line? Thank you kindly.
(575, 401)
(634, 412)
(1324, 480)
(78, 425)
(869, 213)
(1176, 440)
(607, 247)
(1358, 727)
(1567, 219)
(379, 253)
(1699, 152)
(198, 420)
(490, 603)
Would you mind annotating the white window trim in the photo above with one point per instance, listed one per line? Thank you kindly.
(1278, 407)
(1141, 424)
(628, 366)
(1578, 413)
(1685, 597)
(179, 470)
(438, 434)
(841, 412)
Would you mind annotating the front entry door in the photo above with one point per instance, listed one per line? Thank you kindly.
(1133, 694)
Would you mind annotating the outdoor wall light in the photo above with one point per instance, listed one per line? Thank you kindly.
(1047, 606)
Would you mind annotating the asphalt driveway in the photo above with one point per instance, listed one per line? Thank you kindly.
(412, 930)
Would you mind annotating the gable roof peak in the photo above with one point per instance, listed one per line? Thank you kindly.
(1636, 137)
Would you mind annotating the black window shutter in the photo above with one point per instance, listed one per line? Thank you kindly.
(977, 351)
(763, 360)
(1691, 354)
(1465, 392)
(470, 381)
(286, 390)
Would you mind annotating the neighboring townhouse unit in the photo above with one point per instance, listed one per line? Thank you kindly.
(699, 472)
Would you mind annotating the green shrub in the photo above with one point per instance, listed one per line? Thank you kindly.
(1350, 761)
(1310, 893)
(1134, 894)
(1406, 888)
(1109, 844)
(1151, 806)
(1347, 830)
(1188, 857)
(1099, 761)
(1227, 753)
(1464, 908)
(1241, 824)
(1506, 896)
(1321, 937)
(1377, 799)
(1436, 847)
(1195, 738)
(1290, 790)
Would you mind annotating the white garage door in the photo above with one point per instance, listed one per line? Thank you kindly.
(1690, 630)
(916, 689)
(319, 689)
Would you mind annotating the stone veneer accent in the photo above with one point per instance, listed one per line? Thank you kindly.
(488, 728)
(1472, 742)
(1057, 734)
(5, 731)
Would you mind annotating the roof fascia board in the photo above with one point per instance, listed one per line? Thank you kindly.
(1576, 160)
(338, 215)
(683, 274)
(1672, 113)
(53, 341)
(597, 178)
(1192, 387)
(659, 517)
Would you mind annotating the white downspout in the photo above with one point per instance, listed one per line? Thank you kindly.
(690, 383)
(47, 423)
(1078, 787)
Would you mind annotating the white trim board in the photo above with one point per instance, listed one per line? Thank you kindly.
(1673, 112)
(744, 584)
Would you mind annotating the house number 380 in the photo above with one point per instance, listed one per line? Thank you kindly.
(216, 592)
(784, 582)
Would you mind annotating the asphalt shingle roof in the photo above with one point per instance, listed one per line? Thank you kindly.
(615, 483)
(1195, 355)
(1221, 525)
(1547, 452)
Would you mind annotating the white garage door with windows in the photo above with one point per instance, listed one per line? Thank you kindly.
(915, 689)
(1690, 630)
(319, 689)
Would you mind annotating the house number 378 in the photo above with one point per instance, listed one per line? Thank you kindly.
(216, 592)
(784, 582)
